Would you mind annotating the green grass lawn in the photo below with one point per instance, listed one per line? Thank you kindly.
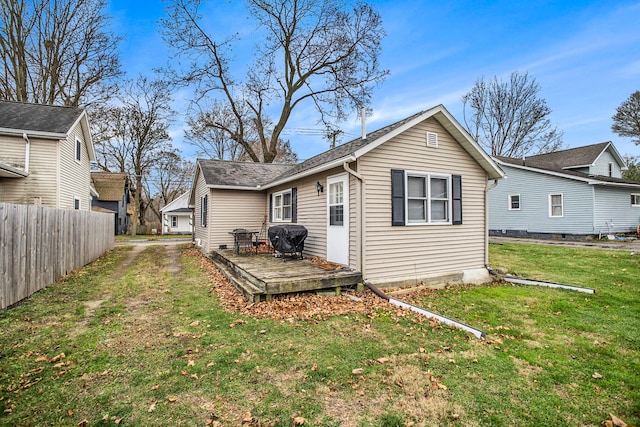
(141, 345)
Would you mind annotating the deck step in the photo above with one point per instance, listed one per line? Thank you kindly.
(246, 288)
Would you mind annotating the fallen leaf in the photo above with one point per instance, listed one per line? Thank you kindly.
(597, 376)
(155, 387)
(58, 358)
(172, 398)
(41, 359)
(617, 421)
(382, 360)
(152, 407)
(298, 421)
(357, 371)
(196, 323)
(83, 423)
(191, 363)
(70, 412)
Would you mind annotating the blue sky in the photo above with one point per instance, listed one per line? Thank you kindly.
(584, 54)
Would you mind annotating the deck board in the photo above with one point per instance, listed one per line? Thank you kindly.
(275, 275)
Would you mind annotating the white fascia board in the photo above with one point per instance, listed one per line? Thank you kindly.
(544, 171)
(234, 187)
(590, 181)
(321, 168)
(615, 184)
(37, 134)
(461, 136)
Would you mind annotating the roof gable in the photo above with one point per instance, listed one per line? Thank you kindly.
(180, 203)
(356, 148)
(263, 175)
(578, 157)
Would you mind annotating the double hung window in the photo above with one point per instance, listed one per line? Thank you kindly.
(282, 206)
(428, 199)
(556, 206)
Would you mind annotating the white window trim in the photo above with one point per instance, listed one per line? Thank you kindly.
(204, 212)
(551, 207)
(511, 208)
(277, 210)
(77, 150)
(427, 176)
(174, 217)
(79, 200)
(637, 196)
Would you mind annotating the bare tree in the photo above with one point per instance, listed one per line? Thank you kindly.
(626, 121)
(508, 118)
(57, 51)
(170, 177)
(132, 136)
(313, 51)
(206, 132)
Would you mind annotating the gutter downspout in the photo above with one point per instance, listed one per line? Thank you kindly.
(486, 221)
(27, 152)
(363, 227)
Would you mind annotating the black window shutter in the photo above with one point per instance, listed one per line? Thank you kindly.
(294, 204)
(271, 207)
(397, 197)
(456, 184)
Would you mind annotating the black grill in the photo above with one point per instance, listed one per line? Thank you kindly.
(288, 239)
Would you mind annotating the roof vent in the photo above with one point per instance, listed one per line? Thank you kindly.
(432, 139)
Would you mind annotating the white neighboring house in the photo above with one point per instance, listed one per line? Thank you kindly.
(177, 216)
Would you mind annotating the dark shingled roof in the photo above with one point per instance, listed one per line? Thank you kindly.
(240, 174)
(564, 161)
(571, 158)
(37, 118)
(344, 149)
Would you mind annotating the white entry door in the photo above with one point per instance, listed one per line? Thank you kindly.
(338, 219)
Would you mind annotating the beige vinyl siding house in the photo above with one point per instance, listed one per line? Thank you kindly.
(405, 204)
(46, 156)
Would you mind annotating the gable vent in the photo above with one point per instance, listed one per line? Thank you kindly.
(432, 139)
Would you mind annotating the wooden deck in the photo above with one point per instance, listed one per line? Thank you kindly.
(261, 276)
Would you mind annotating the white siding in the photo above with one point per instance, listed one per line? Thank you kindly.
(400, 253)
(75, 177)
(533, 217)
(13, 151)
(40, 186)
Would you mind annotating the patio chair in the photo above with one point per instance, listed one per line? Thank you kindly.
(242, 241)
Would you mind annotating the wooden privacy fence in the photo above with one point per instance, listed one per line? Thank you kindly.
(39, 245)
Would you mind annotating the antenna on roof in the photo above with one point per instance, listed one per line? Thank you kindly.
(363, 119)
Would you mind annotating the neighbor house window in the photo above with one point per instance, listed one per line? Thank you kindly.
(282, 206)
(514, 202)
(635, 200)
(428, 198)
(78, 150)
(76, 203)
(610, 169)
(556, 208)
(174, 221)
(204, 209)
